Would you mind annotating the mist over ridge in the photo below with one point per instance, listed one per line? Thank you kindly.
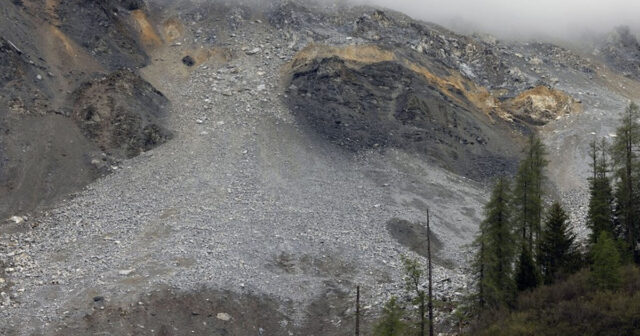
(560, 19)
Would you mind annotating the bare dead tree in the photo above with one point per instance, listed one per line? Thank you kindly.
(430, 304)
(358, 311)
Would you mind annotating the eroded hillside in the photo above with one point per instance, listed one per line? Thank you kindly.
(364, 96)
(51, 54)
(260, 160)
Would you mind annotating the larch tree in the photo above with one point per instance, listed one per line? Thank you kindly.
(627, 165)
(496, 250)
(527, 195)
(600, 213)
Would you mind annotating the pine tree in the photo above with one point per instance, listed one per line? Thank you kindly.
(526, 273)
(528, 192)
(625, 158)
(600, 214)
(391, 323)
(556, 245)
(605, 271)
(496, 248)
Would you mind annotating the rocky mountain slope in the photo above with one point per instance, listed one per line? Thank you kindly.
(300, 146)
(65, 80)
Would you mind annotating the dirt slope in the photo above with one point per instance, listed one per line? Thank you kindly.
(50, 54)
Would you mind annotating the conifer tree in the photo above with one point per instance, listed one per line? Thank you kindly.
(526, 273)
(556, 245)
(528, 192)
(605, 271)
(625, 157)
(537, 164)
(480, 261)
(391, 323)
(496, 248)
(600, 214)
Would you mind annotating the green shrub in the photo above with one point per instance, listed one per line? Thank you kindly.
(571, 307)
(391, 323)
(605, 272)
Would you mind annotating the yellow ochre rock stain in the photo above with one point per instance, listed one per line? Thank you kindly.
(148, 35)
(542, 103)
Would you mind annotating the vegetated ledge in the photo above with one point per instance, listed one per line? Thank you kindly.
(364, 96)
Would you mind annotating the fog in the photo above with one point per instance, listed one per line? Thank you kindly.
(523, 18)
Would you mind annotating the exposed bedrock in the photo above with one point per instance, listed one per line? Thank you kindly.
(121, 113)
(379, 104)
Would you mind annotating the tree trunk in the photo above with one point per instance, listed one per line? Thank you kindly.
(358, 311)
(481, 278)
(429, 270)
(630, 220)
(422, 314)
(524, 211)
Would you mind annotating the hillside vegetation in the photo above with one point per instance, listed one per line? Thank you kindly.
(570, 307)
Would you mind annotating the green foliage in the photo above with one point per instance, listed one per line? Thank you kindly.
(625, 158)
(413, 275)
(606, 263)
(526, 274)
(496, 250)
(600, 215)
(600, 300)
(570, 307)
(391, 323)
(413, 279)
(527, 196)
(556, 245)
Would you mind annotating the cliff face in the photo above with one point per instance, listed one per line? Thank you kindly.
(365, 96)
(362, 103)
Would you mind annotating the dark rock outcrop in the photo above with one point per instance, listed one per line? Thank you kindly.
(101, 28)
(121, 113)
(47, 51)
(386, 103)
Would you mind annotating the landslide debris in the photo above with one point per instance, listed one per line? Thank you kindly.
(121, 113)
(172, 312)
(413, 235)
(246, 199)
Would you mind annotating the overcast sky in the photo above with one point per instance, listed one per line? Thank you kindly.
(558, 18)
